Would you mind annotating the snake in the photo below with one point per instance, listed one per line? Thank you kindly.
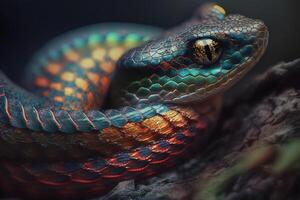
(116, 101)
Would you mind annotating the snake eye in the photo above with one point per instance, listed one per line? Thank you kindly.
(206, 51)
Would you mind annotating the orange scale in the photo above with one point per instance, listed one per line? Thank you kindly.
(79, 96)
(90, 101)
(87, 63)
(68, 76)
(175, 118)
(115, 53)
(159, 125)
(94, 78)
(107, 66)
(68, 91)
(54, 68)
(82, 84)
(120, 141)
(99, 54)
(72, 56)
(42, 82)
(105, 80)
(64, 108)
(56, 86)
(188, 113)
(132, 129)
(58, 99)
(166, 130)
(46, 93)
(165, 65)
(136, 131)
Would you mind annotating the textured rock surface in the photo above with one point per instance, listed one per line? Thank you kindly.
(265, 113)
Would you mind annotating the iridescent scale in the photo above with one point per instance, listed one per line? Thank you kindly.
(76, 73)
(62, 138)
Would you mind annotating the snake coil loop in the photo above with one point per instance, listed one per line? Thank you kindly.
(58, 140)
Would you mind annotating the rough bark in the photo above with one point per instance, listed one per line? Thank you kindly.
(265, 114)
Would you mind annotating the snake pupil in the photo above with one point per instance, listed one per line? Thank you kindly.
(206, 51)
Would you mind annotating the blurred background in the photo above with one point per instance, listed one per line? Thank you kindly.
(26, 25)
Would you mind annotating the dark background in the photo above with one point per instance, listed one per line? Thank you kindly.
(26, 25)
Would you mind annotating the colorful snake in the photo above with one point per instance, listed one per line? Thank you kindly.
(113, 102)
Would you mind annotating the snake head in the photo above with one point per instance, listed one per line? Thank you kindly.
(192, 64)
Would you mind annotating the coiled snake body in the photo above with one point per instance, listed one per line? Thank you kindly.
(114, 102)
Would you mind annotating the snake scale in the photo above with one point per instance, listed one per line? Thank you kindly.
(113, 102)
